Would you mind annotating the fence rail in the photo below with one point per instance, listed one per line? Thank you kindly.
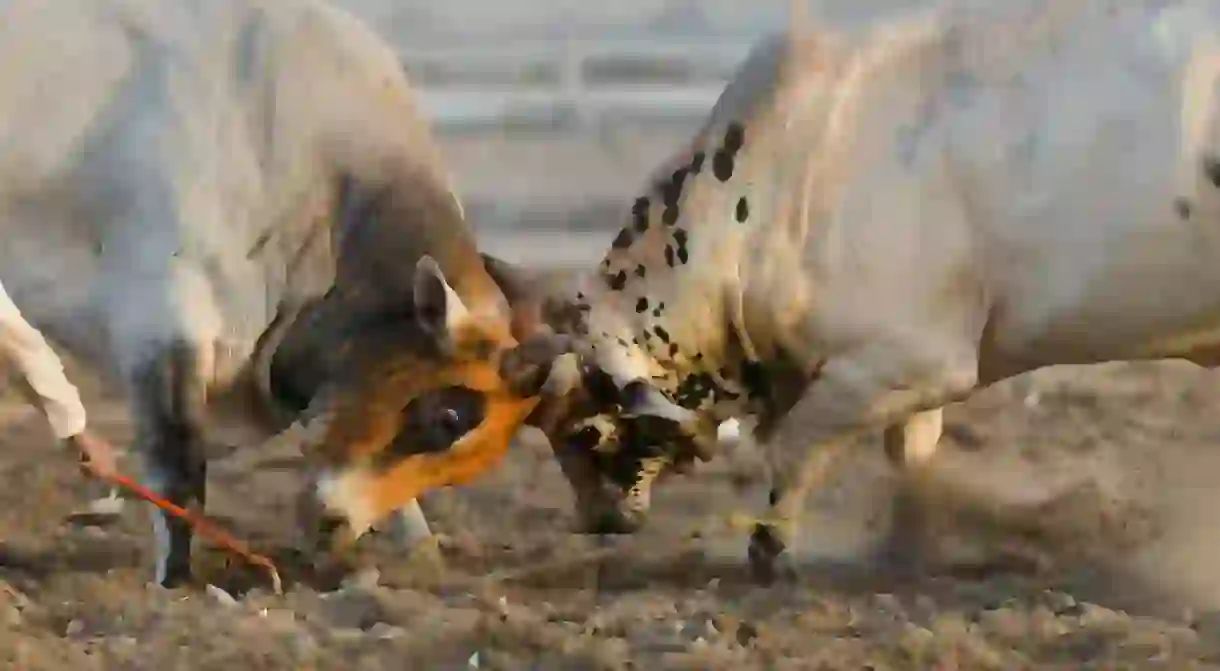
(572, 83)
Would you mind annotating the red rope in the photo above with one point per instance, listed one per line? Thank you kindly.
(202, 526)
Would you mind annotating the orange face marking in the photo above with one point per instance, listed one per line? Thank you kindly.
(366, 431)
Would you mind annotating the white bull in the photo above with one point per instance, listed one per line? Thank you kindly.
(234, 205)
(871, 227)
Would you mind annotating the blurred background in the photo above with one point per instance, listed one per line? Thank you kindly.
(554, 111)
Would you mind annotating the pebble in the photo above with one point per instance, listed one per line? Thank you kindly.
(1061, 603)
(345, 634)
(304, 644)
(74, 628)
(279, 617)
(1097, 616)
(367, 578)
(891, 605)
(746, 633)
(352, 609)
(10, 615)
(222, 597)
(386, 632)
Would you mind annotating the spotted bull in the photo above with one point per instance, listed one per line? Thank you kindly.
(871, 226)
(235, 211)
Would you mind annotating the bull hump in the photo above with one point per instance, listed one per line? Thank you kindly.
(656, 236)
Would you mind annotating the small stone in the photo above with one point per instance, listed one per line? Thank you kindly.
(386, 632)
(366, 578)
(1062, 604)
(353, 609)
(12, 595)
(891, 605)
(99, 512)
(726, 624)
(222, 597)
(1006, 623)
(279, 617)
(746, 633)
(10, 615)
(345, 634)
(74, 628)
(473, 662)
(1095, 616)
(304, 644)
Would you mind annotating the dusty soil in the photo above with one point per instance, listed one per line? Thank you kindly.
(1078, 534)
(1093, 549)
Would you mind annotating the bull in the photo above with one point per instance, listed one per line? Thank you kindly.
(870, 226)
(235, 211)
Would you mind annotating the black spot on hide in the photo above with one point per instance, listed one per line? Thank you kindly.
(1211, 168)
(639, 212)
(696, 164)
(1182, 207)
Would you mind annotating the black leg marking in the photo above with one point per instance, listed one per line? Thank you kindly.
(169, 400)
(764, 552)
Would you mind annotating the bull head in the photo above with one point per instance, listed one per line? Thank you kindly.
(612, 435)
(423, 398)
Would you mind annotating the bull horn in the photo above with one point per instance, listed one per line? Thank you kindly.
(564, 377)
(645, 399)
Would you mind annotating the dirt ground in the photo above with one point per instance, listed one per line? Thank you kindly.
(1095, 551)
(1079, 532)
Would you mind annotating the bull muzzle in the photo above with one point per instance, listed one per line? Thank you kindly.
(325, 532)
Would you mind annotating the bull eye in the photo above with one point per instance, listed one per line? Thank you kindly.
(450, 420)
(432, 422)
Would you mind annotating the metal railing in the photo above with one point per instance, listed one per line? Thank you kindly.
(566, 84)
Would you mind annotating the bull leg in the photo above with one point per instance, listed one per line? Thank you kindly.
(410, 525)
(168, 399)
(854, 395)
(910, 446)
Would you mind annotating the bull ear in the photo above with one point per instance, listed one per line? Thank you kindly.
(438, 308)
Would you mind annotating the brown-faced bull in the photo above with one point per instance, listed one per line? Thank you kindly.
(234, 209)
(869, 227)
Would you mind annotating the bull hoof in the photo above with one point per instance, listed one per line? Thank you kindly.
(768, 561)
(177, 575)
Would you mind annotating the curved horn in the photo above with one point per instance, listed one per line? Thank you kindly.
(565, 375)
(641, 398)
